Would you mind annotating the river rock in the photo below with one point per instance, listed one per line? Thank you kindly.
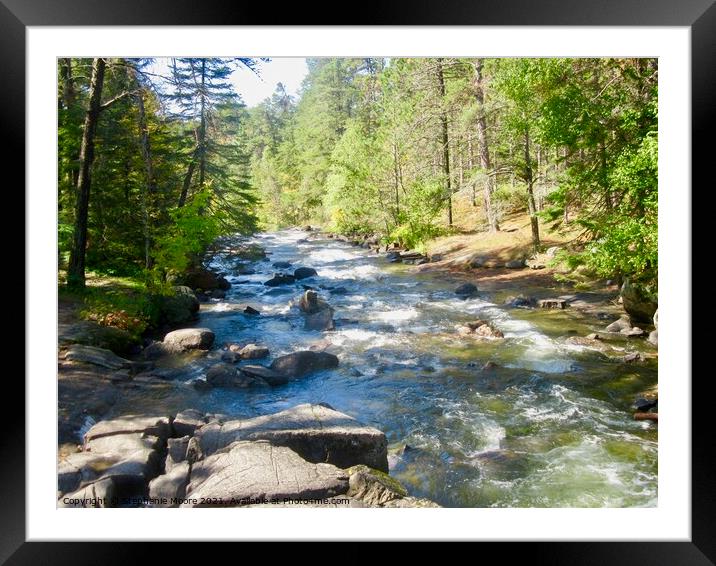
(639, 300)
(251, 311)
(187, 421)
(226, 375)
(280, 279)
(204, 279)
(317, 433)
(466, 289)
(253, 472)
(552, 252)
(253, 352)
(480, 328)
(97, 494)
(521, 302)
(632, 357)
(633, 332)
(96, 356)
(320, 321)
(373, 487)
(263, 373)
(281, 264)
(181, 307)
(304, 362)
(129, 424)
(515, 264)
(654, 338)
(176, 452)
(90, 333)
(188, 339)
(311, 303)
(304, 272)
(552, 304)
(622, 323)
(230, 357)
(168, 488)
(656, 319)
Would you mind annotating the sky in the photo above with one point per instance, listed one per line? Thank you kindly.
(254, 89)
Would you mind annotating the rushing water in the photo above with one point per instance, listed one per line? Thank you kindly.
(549, 426)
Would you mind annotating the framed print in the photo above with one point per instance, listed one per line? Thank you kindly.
(282, 273)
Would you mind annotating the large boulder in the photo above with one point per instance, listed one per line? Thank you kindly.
(90, 333)
(188, 339)
(257, 472)
(181, 307)
(316, 432)
(270, 376)
(304, 272)
(639, 300)
(96, 356)
(304, 362)
(203, 279)
(622, 323)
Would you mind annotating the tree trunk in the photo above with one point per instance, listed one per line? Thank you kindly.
(202, 129)
(149, 185)
(444, 139)
(473, 197)
(187, 181)
(396, 174)
(76, 269)
(484, 148)
(529, 179)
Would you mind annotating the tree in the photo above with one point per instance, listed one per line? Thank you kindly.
(484, 149)
(76, 270)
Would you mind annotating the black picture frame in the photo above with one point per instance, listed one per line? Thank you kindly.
(699, 15)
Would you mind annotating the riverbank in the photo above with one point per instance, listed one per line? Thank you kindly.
(468, 419)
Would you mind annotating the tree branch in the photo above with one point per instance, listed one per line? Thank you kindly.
(118, 97)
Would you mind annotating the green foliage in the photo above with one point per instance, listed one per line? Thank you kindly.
(417, 223)
(191, 231)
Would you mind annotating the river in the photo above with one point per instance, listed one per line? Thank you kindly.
(549, 425)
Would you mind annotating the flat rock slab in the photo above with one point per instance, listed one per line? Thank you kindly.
(250, 472)
(154, 426)
(167, 489)
(97, 494)
(315, 432)
(96, 356)
(187, 421)
(82, 467)
(123, 443)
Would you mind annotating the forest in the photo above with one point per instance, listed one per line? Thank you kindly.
(371, 146)
(448, 265)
